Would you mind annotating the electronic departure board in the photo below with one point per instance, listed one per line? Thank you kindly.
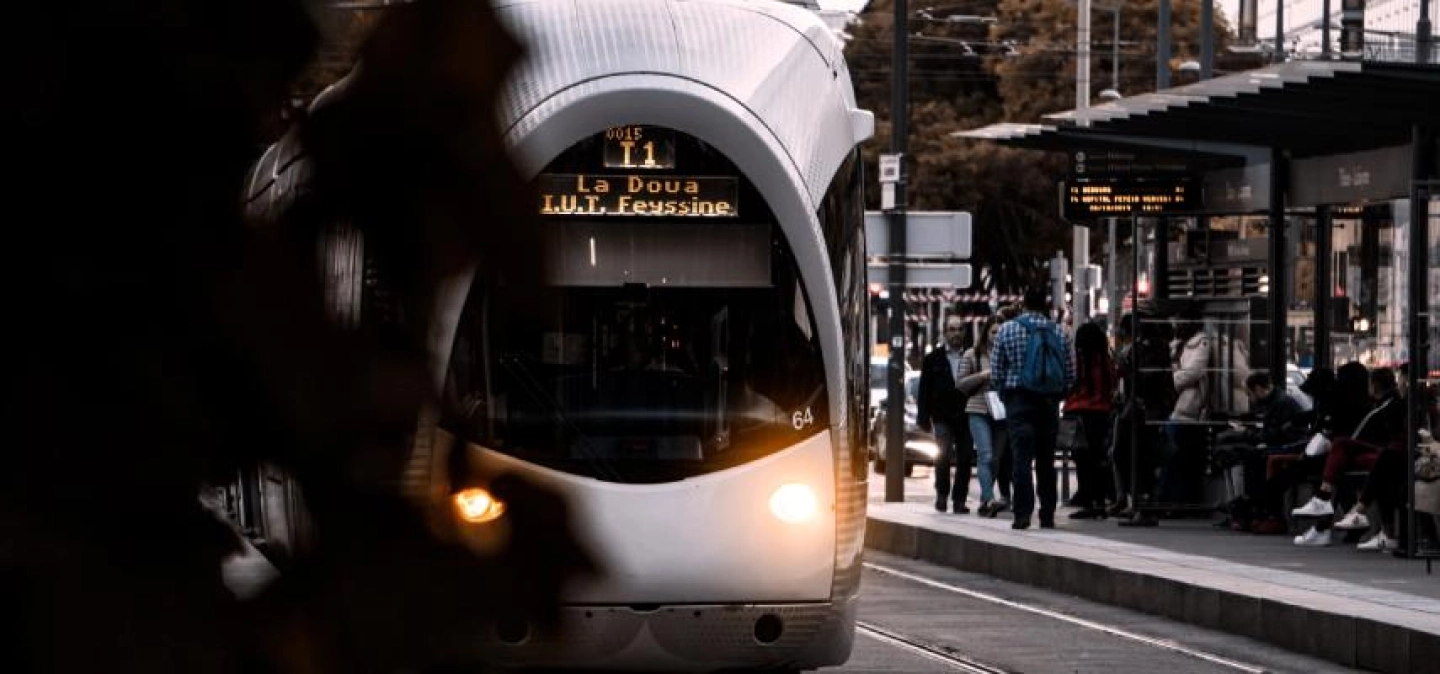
(653, 195)
(1086, 198)
(639, 171)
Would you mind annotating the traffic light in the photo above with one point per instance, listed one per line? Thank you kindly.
(1352, 27)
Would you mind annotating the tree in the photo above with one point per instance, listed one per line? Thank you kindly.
(967, 74)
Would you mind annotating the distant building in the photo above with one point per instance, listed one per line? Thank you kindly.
(1389, 27)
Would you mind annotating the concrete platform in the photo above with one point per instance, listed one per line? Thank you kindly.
(1365, 610)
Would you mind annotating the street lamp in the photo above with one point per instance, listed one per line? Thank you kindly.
(1113, 93)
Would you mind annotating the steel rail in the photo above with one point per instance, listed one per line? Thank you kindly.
(935, 653)
(1164, 644)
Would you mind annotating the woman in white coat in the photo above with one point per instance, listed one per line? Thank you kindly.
(1185, 470)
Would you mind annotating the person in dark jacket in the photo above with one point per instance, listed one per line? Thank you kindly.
(1382, 428)
(941, 407)
(1385, 486)
(1146, 365)
(1282, 432)
(1280, 414)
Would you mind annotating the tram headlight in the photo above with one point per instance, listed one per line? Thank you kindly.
(477, 506)
(794, 503)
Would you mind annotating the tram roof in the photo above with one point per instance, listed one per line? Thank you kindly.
(1307, 107)
(778, 61)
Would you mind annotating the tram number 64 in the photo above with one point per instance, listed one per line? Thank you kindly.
(802, 419)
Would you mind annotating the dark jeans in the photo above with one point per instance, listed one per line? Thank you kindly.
(1385, 486)
(1123, 453)
(1182, 475)
(956, 448)
(1095, 485)
(1004, 464)
(1032, 421)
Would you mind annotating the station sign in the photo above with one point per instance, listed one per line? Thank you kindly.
(1112, 164)
(1111, 183)
(580, 194)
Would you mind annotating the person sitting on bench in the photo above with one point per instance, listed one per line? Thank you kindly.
(1283, 429)
(1383, 427)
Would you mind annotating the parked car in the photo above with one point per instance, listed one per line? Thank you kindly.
(921, 448)
(879, 365)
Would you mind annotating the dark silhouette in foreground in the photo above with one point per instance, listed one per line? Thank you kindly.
(156, 342)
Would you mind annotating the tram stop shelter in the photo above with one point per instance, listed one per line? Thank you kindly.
(1330, 167)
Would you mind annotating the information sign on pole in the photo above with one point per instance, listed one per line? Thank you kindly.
(957, 275)
(928, 234)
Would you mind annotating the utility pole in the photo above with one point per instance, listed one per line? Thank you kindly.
(1080, 276)
(1279, 56)
(1082, 60)
(1324, 39)
(1422, 34)
(1115, 49)
(1207, 39)
(895, 379)
(1162, 47)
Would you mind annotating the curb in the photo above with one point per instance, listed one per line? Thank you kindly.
(1385, 639)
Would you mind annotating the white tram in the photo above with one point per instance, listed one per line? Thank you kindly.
(693, 373)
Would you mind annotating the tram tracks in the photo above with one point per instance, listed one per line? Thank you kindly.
(961, 663)
(944, 656)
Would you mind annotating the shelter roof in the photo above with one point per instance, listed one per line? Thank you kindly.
(1306, 107)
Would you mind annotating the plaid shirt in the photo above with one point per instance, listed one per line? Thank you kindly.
(1007, 355)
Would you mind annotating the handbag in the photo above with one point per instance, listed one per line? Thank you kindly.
(997, 408)
(1070, 435)
(1319, 445)
(1427, 462)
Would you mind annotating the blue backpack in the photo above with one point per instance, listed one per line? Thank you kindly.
(1043, 371)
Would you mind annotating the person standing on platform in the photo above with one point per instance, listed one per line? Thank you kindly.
(975, 383)
(941, 407)
(1089, 403)
(1032, 367)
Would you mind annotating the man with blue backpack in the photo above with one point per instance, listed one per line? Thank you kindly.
(1032, 367)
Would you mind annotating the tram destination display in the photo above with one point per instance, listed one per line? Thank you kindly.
(638, 195)
(1111, 197)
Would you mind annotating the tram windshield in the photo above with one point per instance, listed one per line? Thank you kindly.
(657, 351)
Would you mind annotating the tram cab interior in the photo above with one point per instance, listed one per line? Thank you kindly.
(658, 348)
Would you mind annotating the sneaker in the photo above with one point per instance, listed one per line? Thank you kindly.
(1315, 507)
(1378, 543)
(1313, 538)
(1353, 520)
